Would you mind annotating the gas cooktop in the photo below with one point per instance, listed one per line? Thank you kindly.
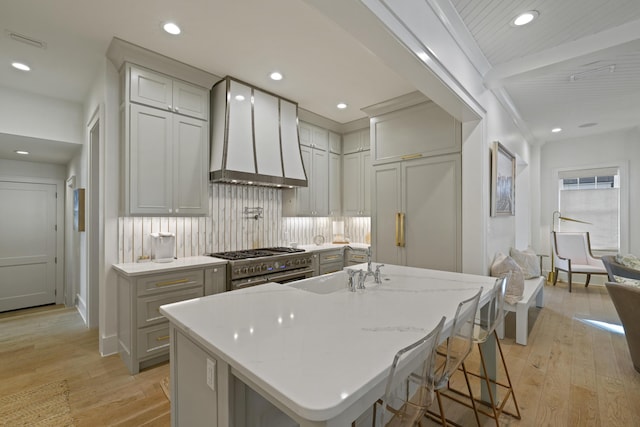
(255, 253)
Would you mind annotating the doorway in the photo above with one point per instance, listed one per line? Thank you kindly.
(28, 233)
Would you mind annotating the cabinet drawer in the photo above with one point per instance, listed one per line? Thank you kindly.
(170, 281)
(357, 257)
(153, 340)
(331, 256)
(149, 307)
(331, 267)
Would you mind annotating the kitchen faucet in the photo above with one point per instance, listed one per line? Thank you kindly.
(376, 274)
(363, 276)
(369, 270)
(350, 283)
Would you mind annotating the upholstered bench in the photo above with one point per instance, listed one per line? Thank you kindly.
(533, 291)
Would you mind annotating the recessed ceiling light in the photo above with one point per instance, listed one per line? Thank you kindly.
(276, 76)
(20, 66)
(556, 130)
(172, 28)
(342, 105)
(524, 18)
(24, 153)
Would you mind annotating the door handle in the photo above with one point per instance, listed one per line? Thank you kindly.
(398, 215)
(402, 230)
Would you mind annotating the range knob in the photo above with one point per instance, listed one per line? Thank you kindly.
(252, 270)
(276, 264)
(297, 262)
(236, 271)
(245, 270)
(263, 267)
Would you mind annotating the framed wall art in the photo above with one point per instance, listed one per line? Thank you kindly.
(78, 209)
(503, 181)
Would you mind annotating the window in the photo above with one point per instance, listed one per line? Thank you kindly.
(592, 195)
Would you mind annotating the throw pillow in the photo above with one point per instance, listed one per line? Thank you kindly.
(528, 262)
(628, 260)
(503, 264)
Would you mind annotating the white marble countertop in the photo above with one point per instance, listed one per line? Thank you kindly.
(318, 350)
(329, 246)
(138, 268)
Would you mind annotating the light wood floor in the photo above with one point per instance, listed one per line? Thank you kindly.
(570, 373)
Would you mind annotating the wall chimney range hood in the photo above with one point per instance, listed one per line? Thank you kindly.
(254, 137)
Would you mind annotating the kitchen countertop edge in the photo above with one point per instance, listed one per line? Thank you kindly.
(186, 263)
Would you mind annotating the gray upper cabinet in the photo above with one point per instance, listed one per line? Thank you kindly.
(356, 174)
(335, 174)
(421, 130)
(166, 145)
(312, 200)
(161, 91)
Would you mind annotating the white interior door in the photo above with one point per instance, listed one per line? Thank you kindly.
(27, 244)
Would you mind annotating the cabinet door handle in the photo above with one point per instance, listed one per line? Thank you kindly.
(162, 338)
(411, 156)
(171, 282)
(399, 229)
(332, 257)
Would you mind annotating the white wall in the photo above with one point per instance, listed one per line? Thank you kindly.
(615, 148)
(26, 114)
(75, 241)
(17, 168)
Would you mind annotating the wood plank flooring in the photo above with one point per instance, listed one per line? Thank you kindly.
(51, 343)
(571, 374)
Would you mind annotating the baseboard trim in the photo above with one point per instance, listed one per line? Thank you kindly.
(81, 306)
(108, 345)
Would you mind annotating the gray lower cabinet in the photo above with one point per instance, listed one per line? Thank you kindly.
(353, 256)
(143, 333)
(331, 261)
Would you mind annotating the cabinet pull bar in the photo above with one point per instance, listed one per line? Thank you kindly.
(162, 338)
(402, 230)
(411, 156)
(398, 228)
(171, 282)
(332, 257)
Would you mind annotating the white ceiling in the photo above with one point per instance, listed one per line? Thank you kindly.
(323, 65)
(533, 64)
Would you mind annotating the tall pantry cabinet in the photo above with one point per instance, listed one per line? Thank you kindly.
(416, 185)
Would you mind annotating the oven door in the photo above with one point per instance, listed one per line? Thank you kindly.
(290, 276)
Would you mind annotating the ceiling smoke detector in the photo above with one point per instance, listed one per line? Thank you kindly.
(27, 40)
(594, 72)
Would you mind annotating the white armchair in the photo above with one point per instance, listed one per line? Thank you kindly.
(572, 253)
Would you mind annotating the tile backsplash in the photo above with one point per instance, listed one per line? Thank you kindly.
(232, 225)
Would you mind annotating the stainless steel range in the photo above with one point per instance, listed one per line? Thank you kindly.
(256, 266)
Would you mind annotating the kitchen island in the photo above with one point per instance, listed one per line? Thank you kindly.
(310, 353)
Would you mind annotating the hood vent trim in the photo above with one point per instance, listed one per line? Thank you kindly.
(254, 137)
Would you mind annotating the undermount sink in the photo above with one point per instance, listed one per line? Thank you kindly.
(325, 284)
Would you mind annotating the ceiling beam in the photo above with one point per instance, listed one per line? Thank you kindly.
(623, 38)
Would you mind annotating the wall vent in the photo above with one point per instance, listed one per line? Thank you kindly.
(27, 40)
